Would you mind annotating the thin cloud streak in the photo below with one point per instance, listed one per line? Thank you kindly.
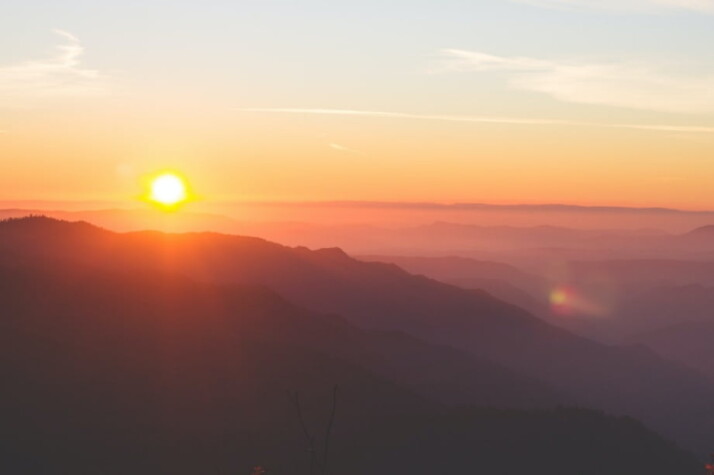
(621, 6)
(342, 148)
(634, 86)
(60, 75)
(491, 120)
(400, 115)
(665, 128)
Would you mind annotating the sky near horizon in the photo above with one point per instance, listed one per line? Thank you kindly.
(503, 101)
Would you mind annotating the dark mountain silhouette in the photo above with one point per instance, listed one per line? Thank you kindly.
(141, 371)
(630, 381)
(461, 268)
(136, 219)
(688, 342)
(637, 295)
(439, 372)
(503, 281)
(665, 306)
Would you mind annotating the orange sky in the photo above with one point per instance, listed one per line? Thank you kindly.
(290, 158)
(460, 112)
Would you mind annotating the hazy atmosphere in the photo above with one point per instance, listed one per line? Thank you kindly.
(346, 238)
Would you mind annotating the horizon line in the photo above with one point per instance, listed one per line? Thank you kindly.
(105, 205)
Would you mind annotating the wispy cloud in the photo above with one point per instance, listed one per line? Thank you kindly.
(400, 115)
(647, 6)
(342, 148)
(477, 119)
(635, 86)
(59, 75)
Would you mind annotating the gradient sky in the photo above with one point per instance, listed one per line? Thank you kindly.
(573, 101)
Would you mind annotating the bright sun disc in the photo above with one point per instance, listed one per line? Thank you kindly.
(168, 189)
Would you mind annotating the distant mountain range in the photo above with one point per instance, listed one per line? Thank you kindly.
(522, 245)
(704, 232)
(503, 281)
(612, 300)
(46, 204)
(160, 353)
(486, 332)
(689, 342)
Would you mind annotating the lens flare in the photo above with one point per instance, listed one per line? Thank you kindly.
(558, 297)
(566, 300)
(562, 300)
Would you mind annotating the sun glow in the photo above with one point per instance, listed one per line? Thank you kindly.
(168, 190)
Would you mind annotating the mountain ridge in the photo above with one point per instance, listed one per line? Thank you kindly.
(140, 371)
(629, 381)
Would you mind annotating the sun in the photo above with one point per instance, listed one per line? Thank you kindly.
(168, 190)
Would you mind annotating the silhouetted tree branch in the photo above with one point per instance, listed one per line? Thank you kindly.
(329, 431)
(315, 463)
(295, 399)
